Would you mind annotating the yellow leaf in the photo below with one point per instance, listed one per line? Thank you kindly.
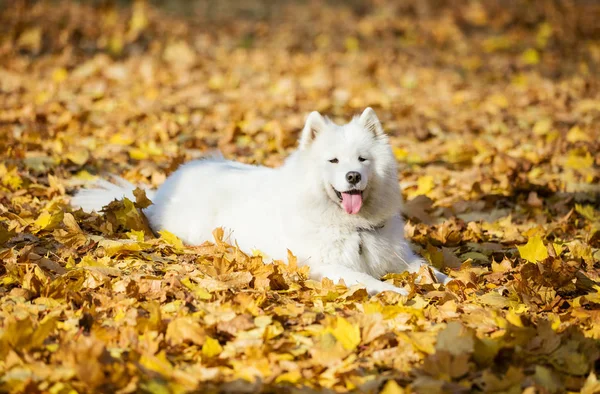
(139, 20)
(391, 387)
(514, 318)
(400, 153)
(435, 256)
(46, 326)
(579, 161)
(425, 184)
(289, 377)
(137, 154)
(136, 235)
(497, 43)
(503, 266)
(50, 217)
(83, 175)
(124, 213)
(144, 151)
(531, 57)
(322, 41)
(421, 341)
(59, 74)
(558, 248)
(184, 329)
(547, 378)
(141, 200)
(588, 212)
(544, 32)
(520, 80)
(352, 44)
(71, 236)
(494, 299)
(10, 178)
(346, 333)
(171, 239)
(499, 100)
(409, 81)
(158, 363)
(575, 134)
(211, 347)
(120, 139)
(179, 54)
(31, 39)
(216, 82)
(258, 253)
(79, 157)
(372, 307)
(263, 321)
(199, 291)
(115, 43)
(580, 250)
(534, 250)
(542, 126)
(456, 339)
(114, 247)
(42, 97)
(5, 233)
(46, 220)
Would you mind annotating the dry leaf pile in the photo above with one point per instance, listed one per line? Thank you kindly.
(494, 113)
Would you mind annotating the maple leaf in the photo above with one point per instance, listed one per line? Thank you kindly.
(72, 235)
(124, 214)
(171, 239)
(211, 347)
(534, 250)
(391, 387)
(141, 201)
(185, 329)
(346, 333)
(455, 339)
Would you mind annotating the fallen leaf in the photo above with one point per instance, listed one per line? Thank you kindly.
(534, 250)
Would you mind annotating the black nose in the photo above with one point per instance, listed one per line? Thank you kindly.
(353, 177)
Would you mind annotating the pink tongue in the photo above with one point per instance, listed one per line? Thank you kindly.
(351, 202)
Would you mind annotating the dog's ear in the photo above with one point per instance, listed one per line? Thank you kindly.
(370, 121)
(315, 123)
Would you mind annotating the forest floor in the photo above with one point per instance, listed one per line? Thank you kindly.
(493, 111)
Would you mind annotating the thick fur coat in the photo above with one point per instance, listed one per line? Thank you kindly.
(334, 203)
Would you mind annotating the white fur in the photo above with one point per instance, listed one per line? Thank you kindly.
(294, 206)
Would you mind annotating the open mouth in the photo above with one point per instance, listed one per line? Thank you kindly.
(350, 200)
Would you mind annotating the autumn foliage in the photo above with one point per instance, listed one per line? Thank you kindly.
(493, 110)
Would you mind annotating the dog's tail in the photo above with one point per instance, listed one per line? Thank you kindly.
(103, 193)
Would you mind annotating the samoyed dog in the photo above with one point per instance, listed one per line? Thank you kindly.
(335, 203)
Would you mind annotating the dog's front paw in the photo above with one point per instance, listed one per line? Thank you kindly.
(383, 286)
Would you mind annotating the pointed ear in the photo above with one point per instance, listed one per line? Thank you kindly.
(315, 123)
(370, 121)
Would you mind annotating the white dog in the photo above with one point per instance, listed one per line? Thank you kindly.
(334, 203)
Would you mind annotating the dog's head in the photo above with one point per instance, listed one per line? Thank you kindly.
(354, 160)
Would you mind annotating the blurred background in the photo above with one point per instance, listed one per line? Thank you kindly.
(138, 87)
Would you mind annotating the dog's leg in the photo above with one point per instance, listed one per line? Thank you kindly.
(441, 277)
(416, 264)
(350, 277)
(402, 257)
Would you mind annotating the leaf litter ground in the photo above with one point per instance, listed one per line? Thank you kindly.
(493, 111)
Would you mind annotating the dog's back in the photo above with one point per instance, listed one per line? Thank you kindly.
(203, 195)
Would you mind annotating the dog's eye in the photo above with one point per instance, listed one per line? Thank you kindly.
(333, 161)
(361, 159)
